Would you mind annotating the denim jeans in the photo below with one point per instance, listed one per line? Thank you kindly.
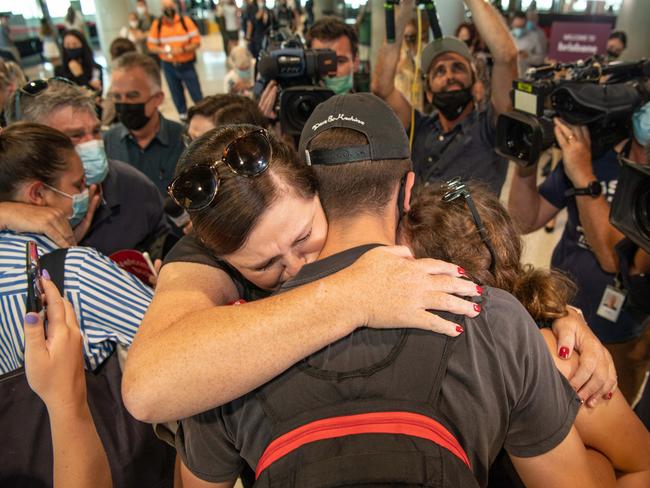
(176, 75)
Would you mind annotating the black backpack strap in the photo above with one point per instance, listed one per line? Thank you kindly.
(183, 23)
(54, 263)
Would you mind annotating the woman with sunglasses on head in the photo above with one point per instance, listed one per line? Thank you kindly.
(259, 230)
(475, 231)
(257, 219)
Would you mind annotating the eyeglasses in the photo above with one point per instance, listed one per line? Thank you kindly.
(196, 188)
(455, 188)
(33, 88)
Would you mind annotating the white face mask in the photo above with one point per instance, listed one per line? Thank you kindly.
(141, 10)
(133, 24)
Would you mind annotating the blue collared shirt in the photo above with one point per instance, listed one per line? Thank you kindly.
(109, 302)
(467, 150)
(158, 160)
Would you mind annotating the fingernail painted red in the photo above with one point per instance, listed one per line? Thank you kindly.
(564, 352)
(477, 307)
(610, 395)
(460, 330)
(461, 271)
(479, 289)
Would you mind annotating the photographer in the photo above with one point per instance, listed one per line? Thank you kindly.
(327, 33)
(459, 139)
(585, 185)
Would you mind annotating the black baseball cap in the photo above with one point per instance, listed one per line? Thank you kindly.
(364, 113)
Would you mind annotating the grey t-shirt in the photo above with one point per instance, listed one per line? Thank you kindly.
(501, 389)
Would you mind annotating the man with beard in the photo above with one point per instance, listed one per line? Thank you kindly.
(458, 139)
(144, 138)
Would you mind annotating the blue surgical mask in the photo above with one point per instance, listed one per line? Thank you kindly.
(340, 84)
(79, 205)
(641, 124)
(93, 156)
(530, 25)
(244, 74)
(518, 32)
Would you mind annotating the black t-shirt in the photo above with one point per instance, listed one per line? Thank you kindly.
(189, 250)
(501, 389)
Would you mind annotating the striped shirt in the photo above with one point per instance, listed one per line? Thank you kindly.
(173, 35)
(109, 302)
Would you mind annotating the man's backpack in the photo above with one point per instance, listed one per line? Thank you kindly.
(377, 426)
(136, 457)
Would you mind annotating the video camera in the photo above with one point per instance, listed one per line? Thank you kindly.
(631, 205)
(297, 71)
(575, 93)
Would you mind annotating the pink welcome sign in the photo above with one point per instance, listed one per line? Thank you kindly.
(571, 41)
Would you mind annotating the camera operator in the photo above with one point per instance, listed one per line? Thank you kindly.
(327, 33)
(585, 185)
(459, 139)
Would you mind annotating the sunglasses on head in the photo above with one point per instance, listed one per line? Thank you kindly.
(454, 189)
(33, 88)
(196, 188)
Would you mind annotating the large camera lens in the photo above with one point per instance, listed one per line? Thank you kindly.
(296, 105)
(522, 138)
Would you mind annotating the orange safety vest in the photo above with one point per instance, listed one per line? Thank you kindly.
(172, 35)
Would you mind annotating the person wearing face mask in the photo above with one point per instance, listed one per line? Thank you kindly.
(78, 64)
(145, 18)
(143, 138)
(616, 44)
(258, 20)
(239, 80)
(530, 40)
(459, 138)
(585, 182)
(129, 213)
(175, 38)
(133, 33)
(40, 167)
(326, 33)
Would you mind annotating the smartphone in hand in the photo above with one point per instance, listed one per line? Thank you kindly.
(33, 268)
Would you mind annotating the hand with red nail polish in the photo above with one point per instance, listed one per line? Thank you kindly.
(595, 375)
(564, 352)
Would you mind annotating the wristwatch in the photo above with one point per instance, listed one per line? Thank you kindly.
(593, 189)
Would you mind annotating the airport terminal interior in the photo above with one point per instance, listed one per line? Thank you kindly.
(545, 106)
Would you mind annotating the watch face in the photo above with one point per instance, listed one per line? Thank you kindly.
(595, 188)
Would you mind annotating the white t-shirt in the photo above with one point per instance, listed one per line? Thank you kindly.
(230, 16)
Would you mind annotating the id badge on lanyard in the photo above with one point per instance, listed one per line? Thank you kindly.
(612, 302)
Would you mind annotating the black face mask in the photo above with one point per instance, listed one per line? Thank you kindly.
(612, 55)
(75, 53)
(132, 115)
(452, 103)
(169, 12)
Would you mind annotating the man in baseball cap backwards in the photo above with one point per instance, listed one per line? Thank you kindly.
(458, 139)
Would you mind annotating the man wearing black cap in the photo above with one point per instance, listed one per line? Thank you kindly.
(384, 387)
(457, 140)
